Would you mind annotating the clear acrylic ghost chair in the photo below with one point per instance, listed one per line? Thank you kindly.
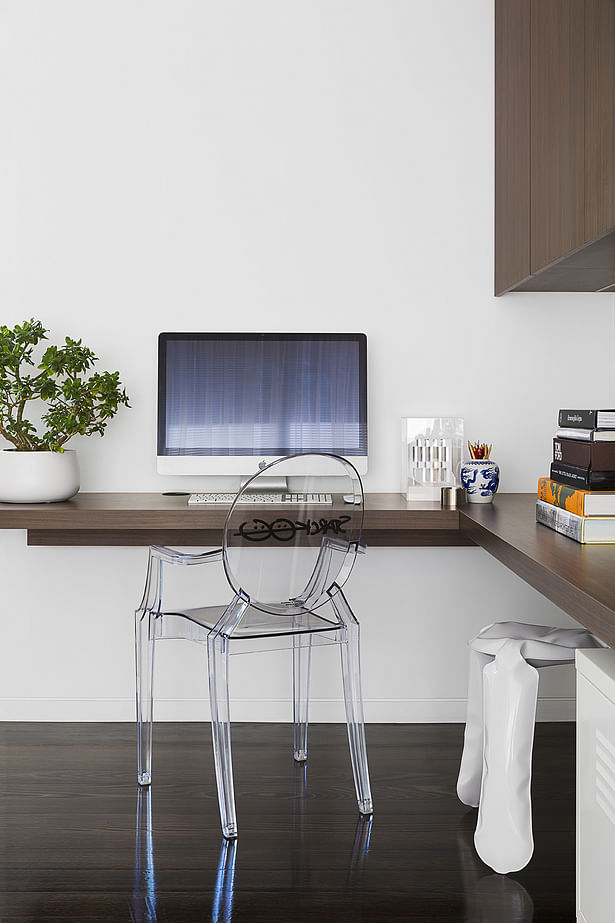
(286, 565)
(496, 765)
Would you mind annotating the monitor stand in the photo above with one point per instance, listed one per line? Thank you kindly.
(267, 484)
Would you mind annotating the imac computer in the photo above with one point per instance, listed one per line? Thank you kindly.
(231, 403)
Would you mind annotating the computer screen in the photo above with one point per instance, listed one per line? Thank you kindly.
(227, 402)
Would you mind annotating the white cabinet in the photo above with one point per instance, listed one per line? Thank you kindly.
(595, 785)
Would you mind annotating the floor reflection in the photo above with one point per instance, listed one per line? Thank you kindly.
(224, 892)
(144, 907)
(360, 850)
(300, 850)
(489, 896)
(144, 892)
(300, 860)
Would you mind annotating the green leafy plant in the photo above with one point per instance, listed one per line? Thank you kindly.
(75, 404)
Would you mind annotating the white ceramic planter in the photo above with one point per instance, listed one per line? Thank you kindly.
(38, 477)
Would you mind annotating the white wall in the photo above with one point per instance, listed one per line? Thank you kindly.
(273, 166)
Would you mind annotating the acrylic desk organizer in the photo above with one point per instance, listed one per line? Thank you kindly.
(431, 453)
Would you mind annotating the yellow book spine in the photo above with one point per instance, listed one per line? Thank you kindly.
(568, 498)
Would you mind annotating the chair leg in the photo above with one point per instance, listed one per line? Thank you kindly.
(302, 654)
(144, 664)
(471, 767)
(353, 700)
(503, 836)
(218, 657)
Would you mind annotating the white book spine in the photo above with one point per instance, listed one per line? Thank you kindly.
(560, 520)
(566, 433)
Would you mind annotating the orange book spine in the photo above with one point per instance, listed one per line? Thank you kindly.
(568, 498)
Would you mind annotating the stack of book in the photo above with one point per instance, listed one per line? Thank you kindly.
(578, 498)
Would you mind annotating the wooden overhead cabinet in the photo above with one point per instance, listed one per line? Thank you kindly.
(554, 145)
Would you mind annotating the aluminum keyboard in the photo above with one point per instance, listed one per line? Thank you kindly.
(314, 499)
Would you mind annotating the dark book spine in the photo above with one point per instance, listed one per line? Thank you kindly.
(601, 480)
(573, 452)
(602, 456)
(582, 478)
(571, 475)
(578, 419)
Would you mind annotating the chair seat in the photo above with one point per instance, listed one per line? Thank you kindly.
(256, 623)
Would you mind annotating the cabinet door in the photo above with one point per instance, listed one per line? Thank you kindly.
(557, 129)
(599, 117)
(512, 143)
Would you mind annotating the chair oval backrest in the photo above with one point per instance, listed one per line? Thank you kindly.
(291, 556)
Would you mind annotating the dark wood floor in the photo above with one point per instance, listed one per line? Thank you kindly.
(79, 844)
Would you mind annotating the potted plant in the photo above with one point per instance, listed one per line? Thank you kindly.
(69, 403)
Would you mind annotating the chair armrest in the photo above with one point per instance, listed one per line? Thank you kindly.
(171, 556)
(159, 555)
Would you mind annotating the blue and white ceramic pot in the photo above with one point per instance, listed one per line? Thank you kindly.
(481, 479)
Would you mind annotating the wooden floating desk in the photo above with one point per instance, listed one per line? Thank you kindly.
(148, 518)
(579, 579)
